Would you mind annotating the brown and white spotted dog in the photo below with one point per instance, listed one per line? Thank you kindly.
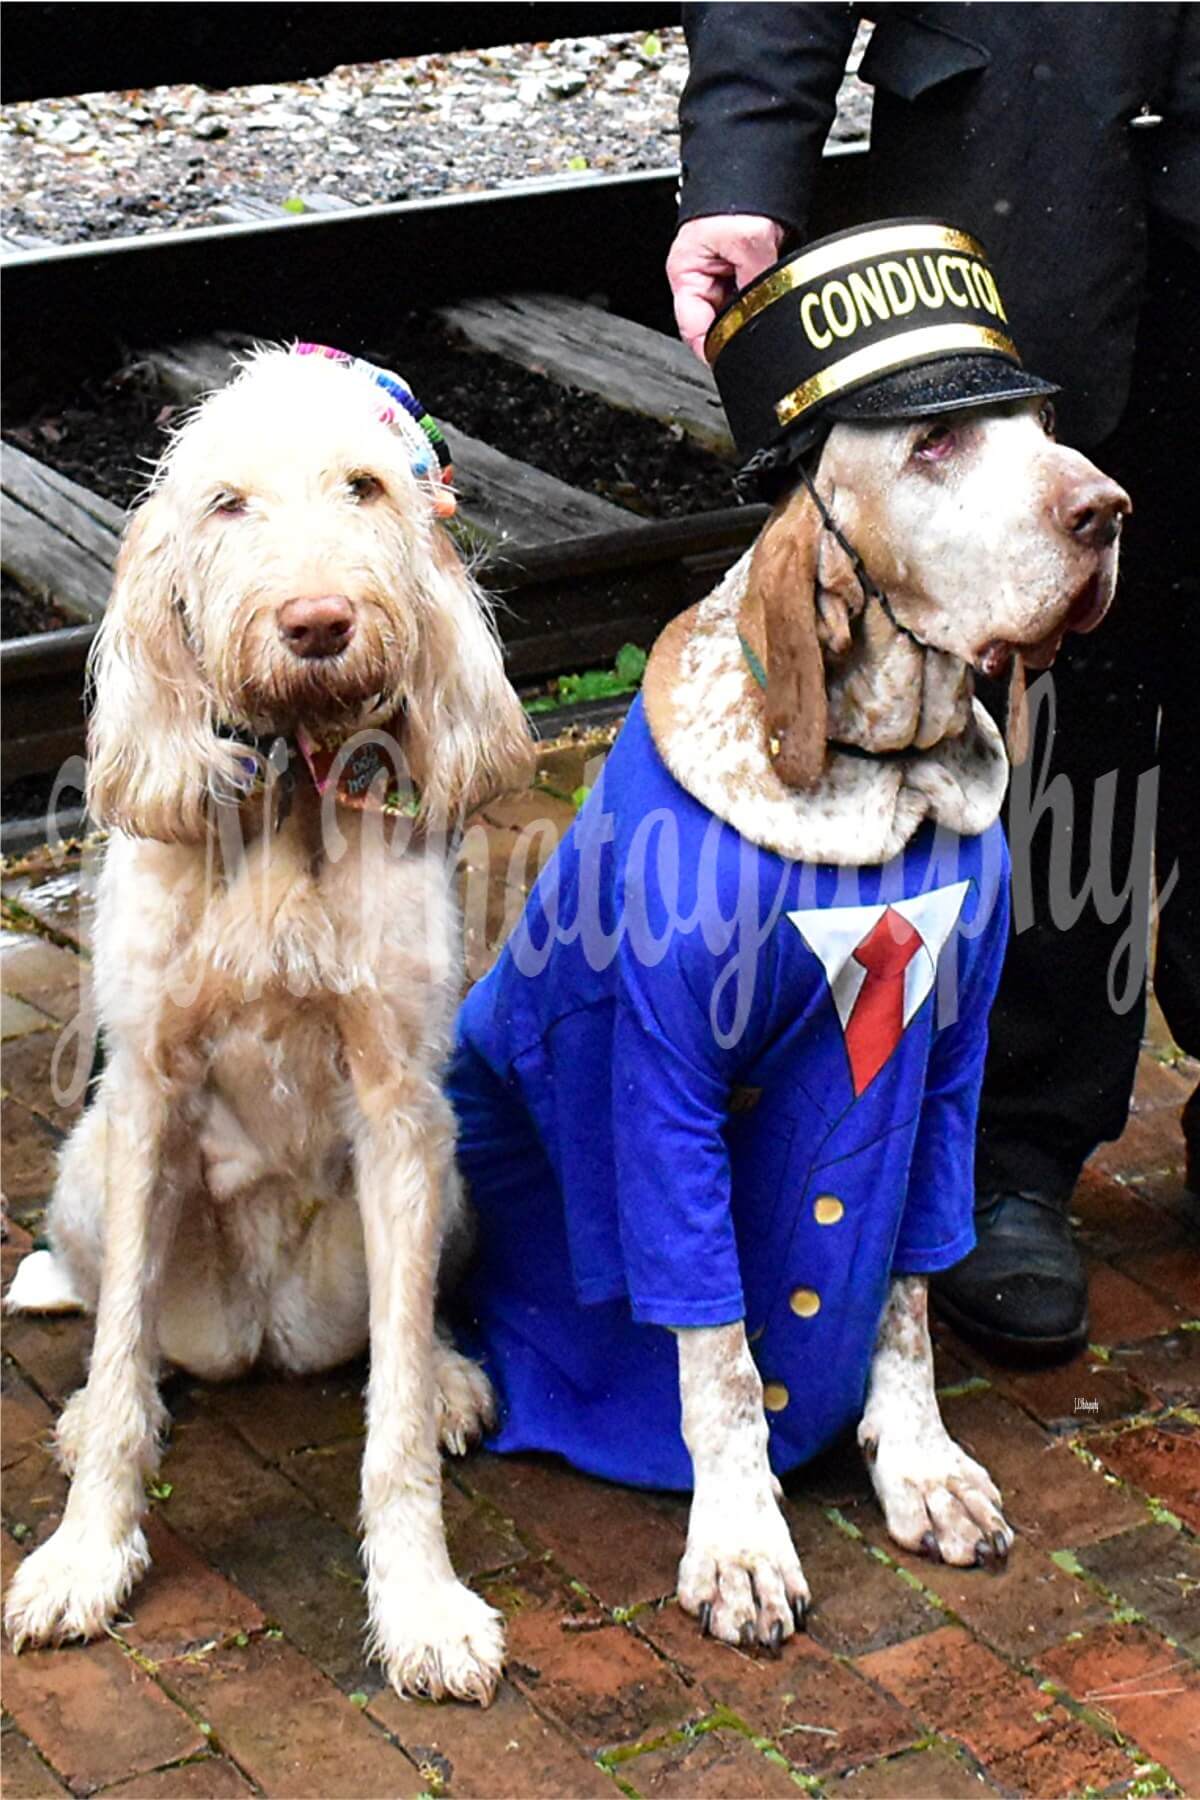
(990, 541)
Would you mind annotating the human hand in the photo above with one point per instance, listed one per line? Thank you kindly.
(710, 260)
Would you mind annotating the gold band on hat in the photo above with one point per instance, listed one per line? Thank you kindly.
(894, 353)
(885, 240)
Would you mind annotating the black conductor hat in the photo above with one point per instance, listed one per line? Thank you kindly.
(897, 320)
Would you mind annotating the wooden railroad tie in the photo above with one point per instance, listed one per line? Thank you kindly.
(582, 346)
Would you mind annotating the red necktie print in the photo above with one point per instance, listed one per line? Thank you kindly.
(876, 1021)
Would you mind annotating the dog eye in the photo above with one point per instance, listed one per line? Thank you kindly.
(936, 444)
(228, 503)
(365, 486)
(1047, 417)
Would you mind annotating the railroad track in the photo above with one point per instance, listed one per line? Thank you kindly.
(579, 577)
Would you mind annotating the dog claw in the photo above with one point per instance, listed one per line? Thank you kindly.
(929, 1547)
(775, 1640)
(985, 1553)
(705, 1619)
(1000, 1545)
(746, 1635)
(800, 1614)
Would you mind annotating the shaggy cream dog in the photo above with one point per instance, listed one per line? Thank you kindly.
(265, 1174)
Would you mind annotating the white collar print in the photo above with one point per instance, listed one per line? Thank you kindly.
(704, 714)
(833, 933)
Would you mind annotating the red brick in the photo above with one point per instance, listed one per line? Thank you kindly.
(94, 1715)
(1166, 1367)
(35, 1490)
(479, 1541)
(859, 1603)
(1173, 1273)
(257, 1528)
(1024, 1740)
(603, 1685)
(1113, 1214)
(1158, 1084)
(288, 1727)
(1151, 1141)
(46, 1079)
(23, 1774)
(804, 1688)
(1122, 1310)
(29, 1147)
(709, 1765)
(25, 1418)
(1084, 1391)
(182, 1602)
(507, 1749)
(1150, 1692)
(618, 1542)
(304, 1572)
(278, 1415)
(938, 1773)
(42, 973)
(1019, 1610)
(217, 1484)
(1051, 1497)
(53, 1352)
(529, 811)
(1163, 1461)
(208, 1778)
(61, 898)
(1155, 1569)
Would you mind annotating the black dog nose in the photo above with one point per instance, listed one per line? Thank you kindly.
(318, 626)
(1092, 512)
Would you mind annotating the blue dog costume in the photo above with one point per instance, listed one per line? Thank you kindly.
(640, 1156)
(728, 1065)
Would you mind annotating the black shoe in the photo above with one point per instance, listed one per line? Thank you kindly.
(1021, 1294)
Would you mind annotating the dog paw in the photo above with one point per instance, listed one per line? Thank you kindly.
(745, 1584)
(939, 1502)
(440, 1642)
(72, 1586)
(465, 1406)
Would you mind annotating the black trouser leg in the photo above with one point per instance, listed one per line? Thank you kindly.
(1067, 1024)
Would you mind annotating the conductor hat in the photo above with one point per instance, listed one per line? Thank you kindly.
(901, 319)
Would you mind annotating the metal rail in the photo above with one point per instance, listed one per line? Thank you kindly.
(75, 310)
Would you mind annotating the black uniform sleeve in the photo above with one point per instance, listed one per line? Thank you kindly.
(759, 101)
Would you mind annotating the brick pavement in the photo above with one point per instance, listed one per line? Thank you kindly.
(239, 1667)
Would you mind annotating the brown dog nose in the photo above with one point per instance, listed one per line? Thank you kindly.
(316, 627)
(1092, 512)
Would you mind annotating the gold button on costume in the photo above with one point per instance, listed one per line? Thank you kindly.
(775, 1396)
(828, 1209)
(805, 1302)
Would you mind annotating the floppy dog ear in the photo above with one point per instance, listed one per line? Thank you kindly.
(466, 734)
(782, 592)
(152, 752)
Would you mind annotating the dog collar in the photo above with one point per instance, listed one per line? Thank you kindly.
(354, 776)
(754, 664)
(430, 458)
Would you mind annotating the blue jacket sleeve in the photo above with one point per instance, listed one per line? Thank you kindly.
(670, 1097)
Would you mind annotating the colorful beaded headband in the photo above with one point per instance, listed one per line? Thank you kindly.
(405, 414)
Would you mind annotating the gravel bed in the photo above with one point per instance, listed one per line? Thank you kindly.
(120, 164)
